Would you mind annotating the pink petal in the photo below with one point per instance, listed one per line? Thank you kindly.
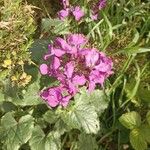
(79, 80)
(44, 69)
(65, 101)
(69, 68)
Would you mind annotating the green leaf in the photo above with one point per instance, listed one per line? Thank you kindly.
(30, 96)
(148, 117)
(50, 116)
(130, 120)
(82, 115)
(137, 140)
(38, 49)
(57, 26)
(1, 96)
(15, 133)
(87, 142)
(40, 141)
(145, 130)
(97, 98)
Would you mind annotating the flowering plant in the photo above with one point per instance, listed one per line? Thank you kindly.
(73, 65)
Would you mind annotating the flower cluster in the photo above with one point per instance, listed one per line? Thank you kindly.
(67, 10)
(96, 8)
(73, 66)
(77, 12)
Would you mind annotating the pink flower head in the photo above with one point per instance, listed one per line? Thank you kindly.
(76, 40)
(53, 96)
(94, 16)
(101, 4)
(73, 66)
(65, 3)
(77, 12)
(91, 57)
(63, 14)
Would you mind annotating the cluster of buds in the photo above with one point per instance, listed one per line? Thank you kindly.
(74, 66)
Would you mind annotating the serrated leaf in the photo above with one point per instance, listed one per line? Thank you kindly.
(16, 133)
(145, 130)
(130, 120)
(81, 115)
(40, 141)
(30, 97)
(87, 142)
(137, 140)
(148, 117)
(97, 98)
(50, 116)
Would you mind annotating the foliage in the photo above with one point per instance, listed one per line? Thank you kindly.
(114, 116)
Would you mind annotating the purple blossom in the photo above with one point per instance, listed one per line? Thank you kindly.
(101, 4)
(76, 40)
(65, 3)
(54, 97)
(77, 12)
(63, 14)
(73, 66)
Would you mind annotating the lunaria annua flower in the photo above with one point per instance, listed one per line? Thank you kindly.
(73, 66)
(96, 8)
(67, 10)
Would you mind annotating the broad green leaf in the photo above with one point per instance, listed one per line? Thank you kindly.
(145, 130)
(30, 96)
(16, 133)
(40, 141)
(38, 49)
(81, 115)
(130, 120)
(144, 94)
(148, 117)
(50, 116)
(137, 140)
(97, 98)
(1, 96)
(87, 142)
(57, 26)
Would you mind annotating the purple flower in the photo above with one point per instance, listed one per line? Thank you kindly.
(73, 66)
(63, 14)
(95, 77)
(101, 4)
(65, 3)
(76, 40)
(94, 16)
(91, 57)
(54, 97)
(77, 12)
(69, 69)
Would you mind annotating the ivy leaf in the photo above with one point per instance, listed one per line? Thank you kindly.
(87, 142)
(148, 117)
(137, 140)
(81, 115)
(130, 120)
(40, 141)
(15, 133)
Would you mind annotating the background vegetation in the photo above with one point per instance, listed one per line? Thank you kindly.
(114, 118)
